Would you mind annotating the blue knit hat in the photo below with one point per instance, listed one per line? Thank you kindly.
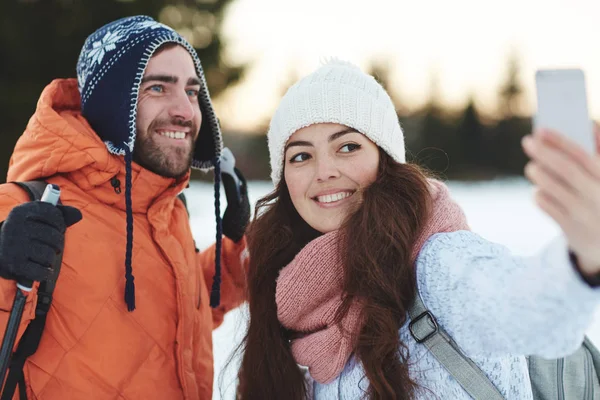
(110, 69)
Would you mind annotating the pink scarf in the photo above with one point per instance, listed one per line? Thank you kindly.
(309, 293)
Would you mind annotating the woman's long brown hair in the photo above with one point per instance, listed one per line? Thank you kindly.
(378, 271)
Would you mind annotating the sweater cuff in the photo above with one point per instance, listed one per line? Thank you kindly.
(593, 281)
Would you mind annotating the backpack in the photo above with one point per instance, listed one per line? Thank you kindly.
(574, 377)
(33, 333)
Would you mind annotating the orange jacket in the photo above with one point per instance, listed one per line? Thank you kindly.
(92, 347)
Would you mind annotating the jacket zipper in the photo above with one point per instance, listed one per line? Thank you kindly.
(198, 289)
(198, 286)
(561, 384)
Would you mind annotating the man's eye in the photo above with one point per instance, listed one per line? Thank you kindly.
(156, 88)
(192, 92)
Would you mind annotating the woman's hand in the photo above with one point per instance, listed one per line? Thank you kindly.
(567, 179)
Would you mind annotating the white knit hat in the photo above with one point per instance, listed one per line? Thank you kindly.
(337, 92)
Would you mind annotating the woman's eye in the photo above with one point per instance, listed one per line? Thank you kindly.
(349, 147)
(299, 157)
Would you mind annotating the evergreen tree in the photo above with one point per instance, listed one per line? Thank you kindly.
(507, 153)
(511, 91)
(470, 133)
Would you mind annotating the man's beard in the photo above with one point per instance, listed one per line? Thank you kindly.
(151, 155)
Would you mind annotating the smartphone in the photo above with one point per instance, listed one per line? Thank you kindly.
(562, 105)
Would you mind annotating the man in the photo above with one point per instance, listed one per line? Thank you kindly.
(119, 142)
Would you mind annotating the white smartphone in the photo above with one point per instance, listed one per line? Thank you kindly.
(562, 105)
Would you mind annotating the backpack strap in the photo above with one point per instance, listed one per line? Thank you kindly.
(35, 189)
(587, 343)
(33, 333)
(425, 330)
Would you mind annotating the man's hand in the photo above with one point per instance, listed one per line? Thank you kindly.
(237, 214)
(31, 237)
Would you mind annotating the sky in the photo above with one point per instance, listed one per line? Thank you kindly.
(465, 43)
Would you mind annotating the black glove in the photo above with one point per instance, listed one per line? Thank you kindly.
(237, 214)
(31, 237)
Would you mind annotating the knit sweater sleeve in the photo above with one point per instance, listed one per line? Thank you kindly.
(494, 303)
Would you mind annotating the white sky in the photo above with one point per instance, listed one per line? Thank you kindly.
(466, 42)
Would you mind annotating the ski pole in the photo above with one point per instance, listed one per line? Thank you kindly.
(51, 195)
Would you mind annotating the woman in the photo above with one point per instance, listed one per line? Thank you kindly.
(350, 234)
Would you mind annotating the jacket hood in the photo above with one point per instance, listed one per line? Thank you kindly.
(59, 140)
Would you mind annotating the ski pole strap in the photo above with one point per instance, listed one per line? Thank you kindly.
(35, 189)
(33, 333)
(425, 330)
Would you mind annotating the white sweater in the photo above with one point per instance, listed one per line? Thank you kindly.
(497, 307)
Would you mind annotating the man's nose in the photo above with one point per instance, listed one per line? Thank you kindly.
(182, 107)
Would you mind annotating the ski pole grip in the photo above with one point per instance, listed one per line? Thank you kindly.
(25, 284)
(227, 167)
(51, 195)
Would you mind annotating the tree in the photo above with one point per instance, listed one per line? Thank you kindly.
(507, 154)
(470, 136)
(382, 70)
(511, 91)
(433, 140)
(200, 23)
(40, 40)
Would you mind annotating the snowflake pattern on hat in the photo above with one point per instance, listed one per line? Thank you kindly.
(106, 44)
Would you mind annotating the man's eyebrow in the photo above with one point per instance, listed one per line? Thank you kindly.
(160, 78)
(194, 82)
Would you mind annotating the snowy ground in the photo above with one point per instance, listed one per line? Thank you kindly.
(500, 211)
